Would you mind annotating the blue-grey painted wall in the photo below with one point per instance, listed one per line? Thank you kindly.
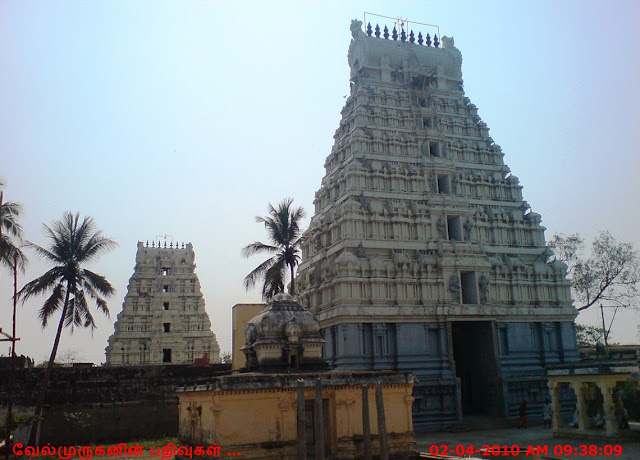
(522, 350)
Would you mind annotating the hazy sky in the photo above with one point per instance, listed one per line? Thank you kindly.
(186, 118)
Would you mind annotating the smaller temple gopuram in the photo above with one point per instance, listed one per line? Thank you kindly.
(163, 318)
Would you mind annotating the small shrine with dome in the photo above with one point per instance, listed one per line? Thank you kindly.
(283, 335)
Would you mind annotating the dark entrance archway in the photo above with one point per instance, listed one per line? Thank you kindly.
(475, 356)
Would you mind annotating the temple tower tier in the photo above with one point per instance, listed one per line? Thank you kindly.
(163, 318)
(422, 254)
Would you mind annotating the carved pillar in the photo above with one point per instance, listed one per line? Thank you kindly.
(408, 399)
(581, 405)
(284, 405)
(366, 426)
(302, 432)
(382, 424)
(214, 433)
(318, 426)
(610, 423)
(559, 327)
(556, 416)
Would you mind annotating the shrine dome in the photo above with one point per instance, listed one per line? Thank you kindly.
(284, 333)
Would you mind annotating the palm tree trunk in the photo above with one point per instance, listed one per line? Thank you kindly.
(12, 369)
(47, 374)
(15, 302)
(292, 291)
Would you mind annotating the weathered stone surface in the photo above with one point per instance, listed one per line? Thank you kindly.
(105, 404)
(163, 318)
(283, 333)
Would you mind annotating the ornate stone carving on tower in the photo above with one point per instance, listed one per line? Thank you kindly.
(163, 318)
(422, 254)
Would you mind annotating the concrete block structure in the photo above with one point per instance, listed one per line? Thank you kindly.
(422, 255)
(163, 318)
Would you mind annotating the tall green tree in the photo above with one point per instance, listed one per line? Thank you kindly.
(608, 276)
(73, 242)
(609, 273)
(283, 228)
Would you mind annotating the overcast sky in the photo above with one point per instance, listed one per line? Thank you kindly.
(187, 118)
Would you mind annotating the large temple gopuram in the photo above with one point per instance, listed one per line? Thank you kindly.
(163, 318)
(422, 255)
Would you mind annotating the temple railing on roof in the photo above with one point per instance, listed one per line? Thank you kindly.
(402, 31)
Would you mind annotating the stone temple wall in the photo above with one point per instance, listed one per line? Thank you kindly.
(105, 404)
(422, 254)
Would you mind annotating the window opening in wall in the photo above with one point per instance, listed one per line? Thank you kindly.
(380, 342)
(166, 355)
(165, 288)
(434, 149)
(166, 327)
(444, 184)
(165, 305)
(454, 228)
(504, 340)
(293, 360)
(427, 122)
(165, 271)
(469, 287)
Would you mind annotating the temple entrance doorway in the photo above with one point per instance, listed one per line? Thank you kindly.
(474, 353)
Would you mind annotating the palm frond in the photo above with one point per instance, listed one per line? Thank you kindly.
(96, 283)
(95, 246)
(102, 306)
(258, 272)
(273, 280)
(256, 248)
(52, 304)
(39, 285)
(10, 254)
(9, 214)
(78, 314)
(43, 253)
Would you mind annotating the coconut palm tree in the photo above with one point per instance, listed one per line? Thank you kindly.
(73, 243)
(12, 257)
(283, 228)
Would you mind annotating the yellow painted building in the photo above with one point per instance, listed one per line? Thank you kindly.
(289, 403)
(241, 313)
(256, 414)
